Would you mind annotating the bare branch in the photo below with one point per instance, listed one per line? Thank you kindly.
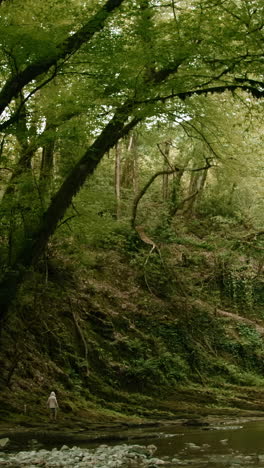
(188, 123)
(66, 220)
(165, 156)
(182, 203)
(145, 188)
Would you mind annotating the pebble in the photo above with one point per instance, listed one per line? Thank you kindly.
(75, 457)
(4, 442)
(122, 456)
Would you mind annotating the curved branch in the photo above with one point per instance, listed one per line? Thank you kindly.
(189, 124)
(165, 156)
(145, 188)
(254, 91)
(182, 203)
(125, 119)
(151, 180)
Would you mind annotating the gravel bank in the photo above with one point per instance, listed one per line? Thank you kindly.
(104, 456)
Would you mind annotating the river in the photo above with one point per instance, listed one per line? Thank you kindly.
(230, 443)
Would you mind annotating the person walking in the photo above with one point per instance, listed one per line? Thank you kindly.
(52, 404)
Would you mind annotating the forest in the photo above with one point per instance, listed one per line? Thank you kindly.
(131, 207)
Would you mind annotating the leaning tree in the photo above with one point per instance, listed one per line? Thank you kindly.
(108, 66)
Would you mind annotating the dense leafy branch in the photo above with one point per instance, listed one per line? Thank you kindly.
(254, 91)
(16, 115)
(67, 47)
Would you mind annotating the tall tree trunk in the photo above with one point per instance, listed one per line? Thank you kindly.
(25, 154)
(117, 179)
(46, 167)
(165, 177)
(175, 193)
(130, 168)
(197, 183)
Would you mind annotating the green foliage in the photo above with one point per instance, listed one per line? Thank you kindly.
(167, 369)
(238, 283)
(219, 208)
(259, 294)
(226, 371)
(155, 273)
(250, 334)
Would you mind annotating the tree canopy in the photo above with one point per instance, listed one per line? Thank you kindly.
(80, 76)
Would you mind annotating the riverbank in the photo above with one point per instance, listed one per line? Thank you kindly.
(236, 441)
(51, 434)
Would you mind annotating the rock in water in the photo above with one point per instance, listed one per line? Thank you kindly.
(4, 442)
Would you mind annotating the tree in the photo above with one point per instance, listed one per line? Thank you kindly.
(116, 82)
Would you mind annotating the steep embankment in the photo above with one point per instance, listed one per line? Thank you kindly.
(121, 334)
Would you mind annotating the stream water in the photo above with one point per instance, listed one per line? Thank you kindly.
(228, 444)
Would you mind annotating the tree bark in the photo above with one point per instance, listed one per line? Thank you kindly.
(117, 179)
(47, 164)
(175, 193)
(197, 183)
(130, 169)
(166, 167)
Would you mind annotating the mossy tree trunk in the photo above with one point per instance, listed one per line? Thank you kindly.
(117, 179)
(196, 186)
(130, 167)
(46, 166)
(36, 241)
(166, 168)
